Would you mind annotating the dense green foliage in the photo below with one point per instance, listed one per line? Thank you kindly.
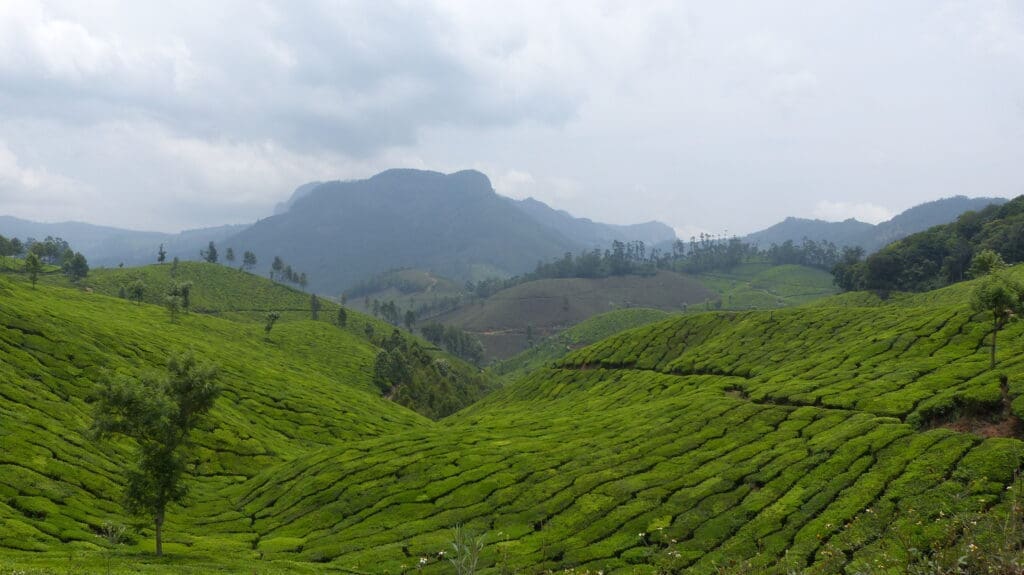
(455, 341)
(159, 412)
(941, 255)
(406, 373)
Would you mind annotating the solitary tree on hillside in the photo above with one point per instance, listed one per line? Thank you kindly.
(277, 267)
(161, 254)
(342, 316)
(230, 255)
(410, 319)
(248, 260)
(314, 307)
(272, 318)
(999, 295)
(158, 411)
(137, 290)
(33, 265)
(210, 253)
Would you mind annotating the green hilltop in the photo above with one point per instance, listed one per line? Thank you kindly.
(836, 436)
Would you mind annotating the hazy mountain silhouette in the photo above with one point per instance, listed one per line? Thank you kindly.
(871, 237)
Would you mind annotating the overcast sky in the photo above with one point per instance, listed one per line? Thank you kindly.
(710, 116)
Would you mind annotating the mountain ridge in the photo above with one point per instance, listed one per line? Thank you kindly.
(871, 237)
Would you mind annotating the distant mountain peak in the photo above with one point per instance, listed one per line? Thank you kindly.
(871, 237)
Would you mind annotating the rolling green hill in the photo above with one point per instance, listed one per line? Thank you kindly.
(809, 439)
(506, 321)
(216, 289)
(57, 487)
(588, 331)
(763, 285)
(838, 435)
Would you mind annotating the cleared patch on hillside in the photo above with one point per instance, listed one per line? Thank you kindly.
(507, 321)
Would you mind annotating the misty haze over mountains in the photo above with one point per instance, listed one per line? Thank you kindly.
(454, 225)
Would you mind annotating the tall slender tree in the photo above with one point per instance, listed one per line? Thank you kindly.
(33, 265)
(210, 253)
(159, 412)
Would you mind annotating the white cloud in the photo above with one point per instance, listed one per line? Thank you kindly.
(862, 211)
(514, 184)
(37, 193)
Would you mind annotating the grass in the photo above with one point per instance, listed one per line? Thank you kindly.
(812, 439)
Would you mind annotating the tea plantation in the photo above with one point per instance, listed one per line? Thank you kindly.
(853, 434)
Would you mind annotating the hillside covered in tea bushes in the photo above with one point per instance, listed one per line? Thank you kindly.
(845, 435)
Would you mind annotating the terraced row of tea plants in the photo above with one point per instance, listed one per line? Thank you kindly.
(767, 286)
(588, 331)
(819, 439)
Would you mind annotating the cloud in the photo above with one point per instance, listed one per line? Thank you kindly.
(695, 113)
(36, 192)
(862, 211)
(308, 75)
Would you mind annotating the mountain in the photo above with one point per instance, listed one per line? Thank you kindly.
(339, 233)
(108, 246)
(871, 237)
(299, 193)
(454, 225)
(594, 234)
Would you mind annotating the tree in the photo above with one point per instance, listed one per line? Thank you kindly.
(248, 260)
(158, 411)
(210, 253)
(5, 247)
(277, 267)
(76, 267)
(33, 265)
(161, 254)
(986, 262)
(230, 255)
(179, 298)
(849, 273)
(342, 316)
(173, 303)
(303, 281)
(314, 307)
(271, 318)
(410, 319)
(137, 290)
(999, 295)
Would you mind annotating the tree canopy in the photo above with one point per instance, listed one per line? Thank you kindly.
(158, 411)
